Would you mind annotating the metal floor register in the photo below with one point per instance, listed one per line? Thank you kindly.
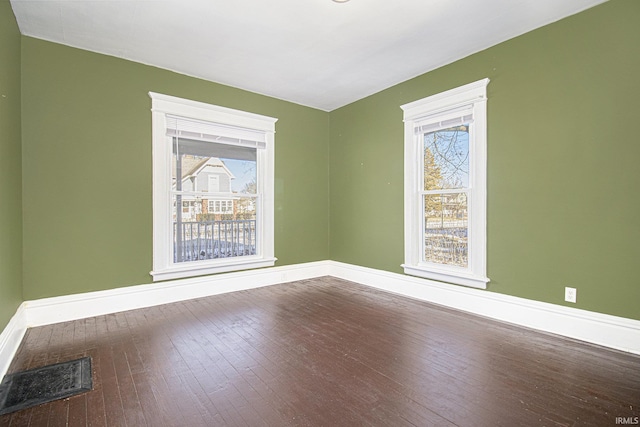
(25, 389)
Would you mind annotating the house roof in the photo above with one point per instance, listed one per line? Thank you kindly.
(192, 165)
(318, 53)
(212, 161)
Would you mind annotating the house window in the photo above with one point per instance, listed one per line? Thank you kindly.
(220, 206)
(214, 183)
(445, 186)
(205, 158)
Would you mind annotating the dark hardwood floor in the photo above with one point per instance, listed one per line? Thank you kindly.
(325, 352)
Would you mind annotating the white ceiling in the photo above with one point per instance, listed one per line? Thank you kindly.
(317, 53)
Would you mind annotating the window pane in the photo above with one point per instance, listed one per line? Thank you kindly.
(213, 168)
(446, 158)
(211, 229)
(446, 228)
(217, 222)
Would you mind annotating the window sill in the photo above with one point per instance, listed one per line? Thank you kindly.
(191, 269)
(448, 276)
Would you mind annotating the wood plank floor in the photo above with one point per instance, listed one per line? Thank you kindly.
(325, 352)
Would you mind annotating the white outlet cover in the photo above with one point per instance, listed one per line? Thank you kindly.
(570, 294)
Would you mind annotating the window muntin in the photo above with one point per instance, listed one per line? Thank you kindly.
(217, 164)
(445, 186)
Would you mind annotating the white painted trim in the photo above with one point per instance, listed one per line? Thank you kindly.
(610, 331)
(11, 337)
(167, 104)
(72, 307)
(447, 100)
(216, 266)
(461, 277)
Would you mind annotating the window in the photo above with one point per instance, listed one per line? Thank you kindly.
(205, 159)
(445, 186)
(214, 183)
(220, 206)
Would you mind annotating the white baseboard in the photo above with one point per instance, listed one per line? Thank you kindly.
(11, 337)
(596, 328)
(609, 331)
(72, 307)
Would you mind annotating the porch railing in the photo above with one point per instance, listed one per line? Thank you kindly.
(447, 245)
(193, 241)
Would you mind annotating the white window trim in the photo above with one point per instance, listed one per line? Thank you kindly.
(163, 266)
(474, 94)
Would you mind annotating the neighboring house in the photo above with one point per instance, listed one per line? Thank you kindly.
(209, 176)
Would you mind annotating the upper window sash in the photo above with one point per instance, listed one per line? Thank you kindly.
(444, 120)
(182, 127)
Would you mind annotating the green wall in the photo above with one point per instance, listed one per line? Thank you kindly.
(563, 156)
(562, 209)
(10, 167)
(87, 168)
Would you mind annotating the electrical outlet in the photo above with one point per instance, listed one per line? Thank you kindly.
(570, 294)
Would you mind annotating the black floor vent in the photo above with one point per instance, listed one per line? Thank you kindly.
(33, 387)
